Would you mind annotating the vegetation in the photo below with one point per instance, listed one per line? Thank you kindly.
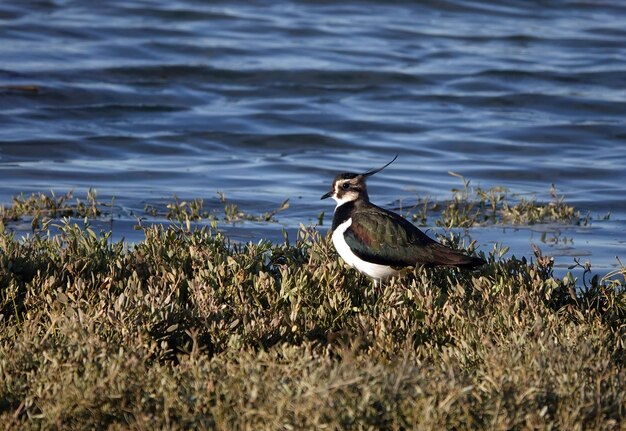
(188, 330)
(470, 206)
(43, 207)
(187, 211)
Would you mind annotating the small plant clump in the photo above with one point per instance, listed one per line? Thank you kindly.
(42, 207)
(472, 206)
(187, 210)
(188, 330)
(529, 212)
(232, 213)
(193, 210)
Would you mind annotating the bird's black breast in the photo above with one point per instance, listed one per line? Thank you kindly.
(342, 213)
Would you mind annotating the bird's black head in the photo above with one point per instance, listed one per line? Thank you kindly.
(349, 186)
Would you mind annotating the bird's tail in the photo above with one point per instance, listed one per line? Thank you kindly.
(445, 256)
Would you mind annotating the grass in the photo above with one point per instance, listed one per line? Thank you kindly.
(188, 330)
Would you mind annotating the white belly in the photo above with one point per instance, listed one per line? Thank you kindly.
(374, 270)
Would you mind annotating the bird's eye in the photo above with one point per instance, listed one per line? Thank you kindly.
(345, 186)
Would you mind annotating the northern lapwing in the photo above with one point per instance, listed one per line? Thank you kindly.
(378, 242)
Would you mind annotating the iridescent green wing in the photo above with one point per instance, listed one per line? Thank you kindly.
(382, 237)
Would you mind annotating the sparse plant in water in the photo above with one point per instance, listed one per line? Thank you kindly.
(41, 207)
(183, 211)
(471, 206)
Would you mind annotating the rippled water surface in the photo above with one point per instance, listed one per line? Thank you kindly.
(264, 101)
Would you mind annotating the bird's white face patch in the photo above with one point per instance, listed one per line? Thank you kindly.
(343, 195)
(374, 270)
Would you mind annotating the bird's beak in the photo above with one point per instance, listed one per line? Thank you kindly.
(327, 195)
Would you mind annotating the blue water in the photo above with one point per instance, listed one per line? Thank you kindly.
(264, 101)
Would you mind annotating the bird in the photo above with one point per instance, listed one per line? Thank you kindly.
(378, 242)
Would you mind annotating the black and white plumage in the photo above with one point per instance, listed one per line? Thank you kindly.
(378, 242)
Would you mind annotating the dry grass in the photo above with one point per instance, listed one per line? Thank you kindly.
(186, 330)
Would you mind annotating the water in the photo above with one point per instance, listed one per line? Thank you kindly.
(264, 101)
